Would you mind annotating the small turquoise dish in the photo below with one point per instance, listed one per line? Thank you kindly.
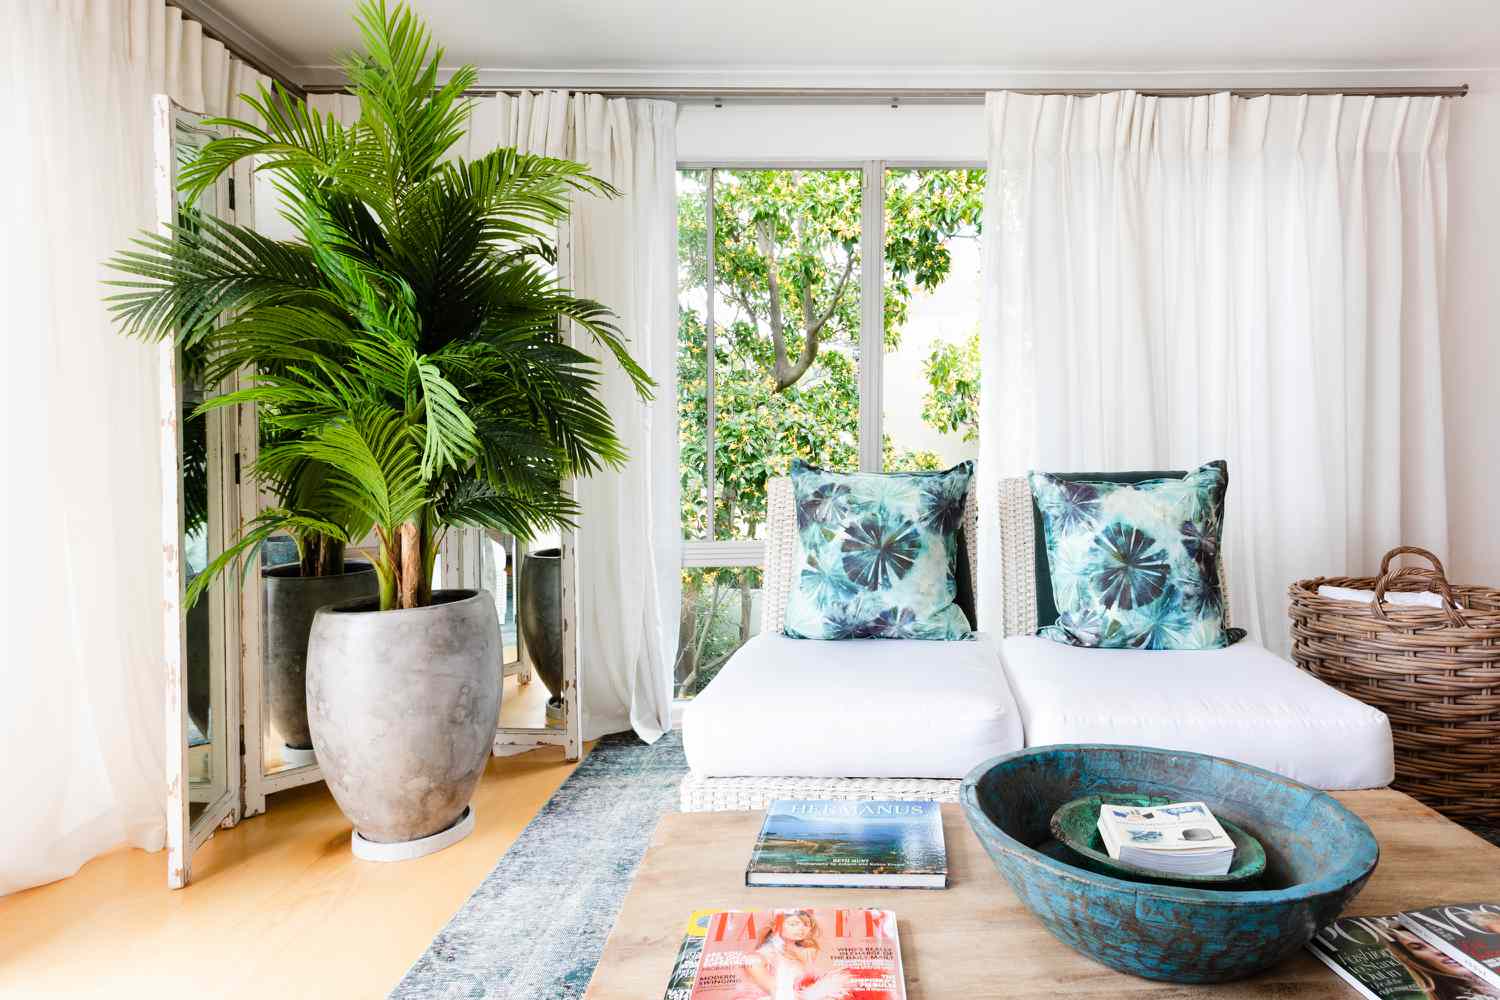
(1318, 857)
(1076, 826)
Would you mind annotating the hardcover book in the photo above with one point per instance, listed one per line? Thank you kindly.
(685, 969)
(812, 953)
(1385, 961)
(1468, 933)
(888, 845)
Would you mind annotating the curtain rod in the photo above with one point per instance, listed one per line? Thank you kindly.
(897, 97)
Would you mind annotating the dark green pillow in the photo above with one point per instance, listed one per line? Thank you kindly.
(1046, 602)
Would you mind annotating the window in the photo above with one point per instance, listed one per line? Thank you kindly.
(788, 347)
(774, 298)
(930, 372)
(720, 612)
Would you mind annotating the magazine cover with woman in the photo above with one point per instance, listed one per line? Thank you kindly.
(1386, 961)
(801, 954)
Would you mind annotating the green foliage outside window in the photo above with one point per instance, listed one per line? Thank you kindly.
(786, 367)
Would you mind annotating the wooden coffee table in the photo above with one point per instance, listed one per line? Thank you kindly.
(975, 939)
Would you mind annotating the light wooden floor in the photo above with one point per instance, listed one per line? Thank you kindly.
(278, 906)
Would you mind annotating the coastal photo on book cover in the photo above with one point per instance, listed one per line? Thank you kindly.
(1384, 960)
(801, 954)
(891, 844)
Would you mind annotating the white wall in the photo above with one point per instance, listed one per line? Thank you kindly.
(840, 133)
(1471, 359)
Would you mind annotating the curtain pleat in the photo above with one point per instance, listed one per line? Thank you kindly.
(82, 739)
(1173, 280)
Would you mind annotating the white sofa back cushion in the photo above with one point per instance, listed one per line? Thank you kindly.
(1017, 555)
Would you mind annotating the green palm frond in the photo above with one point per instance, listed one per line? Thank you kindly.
(412, 356)
(205, 269)
(477, 503)
(306, 148)
(450, 441)
(414, 121)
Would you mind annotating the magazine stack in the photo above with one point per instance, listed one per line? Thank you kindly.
(1446, 952)
(793, 952)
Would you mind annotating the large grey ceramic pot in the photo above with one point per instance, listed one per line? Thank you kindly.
(290, 602)
(539, 612)
(403, 707)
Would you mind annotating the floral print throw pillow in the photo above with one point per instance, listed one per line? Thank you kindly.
(877, 554)
(1136, 565)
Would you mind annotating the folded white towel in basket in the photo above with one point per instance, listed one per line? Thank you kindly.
(1420, 598)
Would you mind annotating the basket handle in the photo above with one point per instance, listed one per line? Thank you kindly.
(1435, 577)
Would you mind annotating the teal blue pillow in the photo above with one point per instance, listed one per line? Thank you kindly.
(1136, 565)
(877, 554)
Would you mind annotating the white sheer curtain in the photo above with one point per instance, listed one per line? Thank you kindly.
(82, 755)
(1173, 280)
(624, 253)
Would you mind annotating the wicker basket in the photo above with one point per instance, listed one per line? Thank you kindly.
(1434, 671)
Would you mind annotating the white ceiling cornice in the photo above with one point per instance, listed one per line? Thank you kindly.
(668, 46)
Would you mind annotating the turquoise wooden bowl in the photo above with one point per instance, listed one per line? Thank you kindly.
(1076, 826)
(1318, 856)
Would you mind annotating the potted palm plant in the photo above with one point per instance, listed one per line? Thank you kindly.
(411, 372)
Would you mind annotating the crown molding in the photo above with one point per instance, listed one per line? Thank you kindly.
(242, 44)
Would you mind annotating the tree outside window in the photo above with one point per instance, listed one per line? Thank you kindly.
(787, 292)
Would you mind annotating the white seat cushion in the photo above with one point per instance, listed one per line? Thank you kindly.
(1243, 702)
(855, 708)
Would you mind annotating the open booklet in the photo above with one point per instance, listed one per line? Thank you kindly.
(1439, 953)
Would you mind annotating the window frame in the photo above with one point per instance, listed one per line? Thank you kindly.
(707, 552)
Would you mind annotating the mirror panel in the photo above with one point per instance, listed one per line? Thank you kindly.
(284, 603)
(203, 534)
(278, 755)
(508, 567)
(200, 508)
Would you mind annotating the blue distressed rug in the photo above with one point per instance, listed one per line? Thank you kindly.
(535, 927)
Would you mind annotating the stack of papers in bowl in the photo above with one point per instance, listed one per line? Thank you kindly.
(1179, 838)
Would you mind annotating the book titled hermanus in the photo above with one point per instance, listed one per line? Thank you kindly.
(856, 845)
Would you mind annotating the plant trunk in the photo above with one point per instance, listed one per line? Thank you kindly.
(745, 606)
(687, 621)
(405, 564)
(321, 555)
(431, 540)
(409, 576)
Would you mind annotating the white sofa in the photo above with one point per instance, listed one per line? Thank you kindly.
(901, 718)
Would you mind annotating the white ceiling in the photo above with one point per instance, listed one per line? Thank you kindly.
(906, 43)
